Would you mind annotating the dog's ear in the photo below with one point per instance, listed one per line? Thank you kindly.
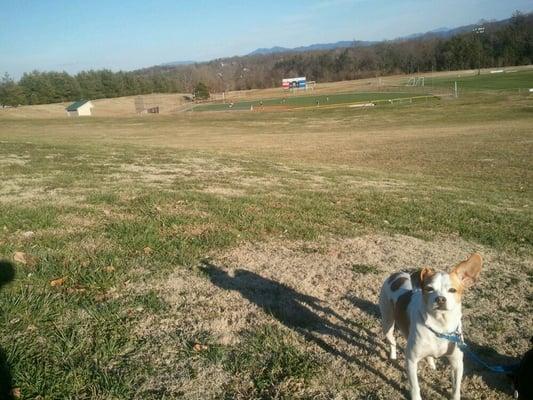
(418, 277)
(426, 273)
(468, 271)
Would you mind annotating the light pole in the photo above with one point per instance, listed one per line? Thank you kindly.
(479, 31)
(224, 87)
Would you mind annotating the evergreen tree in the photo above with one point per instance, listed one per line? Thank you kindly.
(11, 94)
(201, 91)
(37, 88)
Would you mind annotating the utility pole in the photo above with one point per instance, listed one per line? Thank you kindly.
(221, 76)
(479, 31)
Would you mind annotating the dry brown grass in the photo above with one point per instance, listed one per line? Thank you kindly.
(326, 292)
(368, 140)
(117, 107)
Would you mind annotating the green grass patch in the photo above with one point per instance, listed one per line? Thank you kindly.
(486, 81)
(291, 101)
(267, 359)
(364, 269)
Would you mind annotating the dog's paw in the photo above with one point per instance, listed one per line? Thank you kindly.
(431, 363)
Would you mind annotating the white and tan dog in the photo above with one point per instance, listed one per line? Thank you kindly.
(421, 305)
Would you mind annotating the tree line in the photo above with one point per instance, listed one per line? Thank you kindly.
(500, 44)
(55, 87)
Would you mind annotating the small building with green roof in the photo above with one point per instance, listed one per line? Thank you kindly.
(80, 108)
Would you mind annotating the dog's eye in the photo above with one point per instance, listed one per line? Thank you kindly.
(452, 290)
(429, 289)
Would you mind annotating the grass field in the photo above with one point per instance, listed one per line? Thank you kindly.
(509, 79)
(291, 101)
(240, 255)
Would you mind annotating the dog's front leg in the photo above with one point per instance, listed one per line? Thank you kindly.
(412, 375)
(456, 362)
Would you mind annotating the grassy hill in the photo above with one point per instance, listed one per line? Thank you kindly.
(115, 107)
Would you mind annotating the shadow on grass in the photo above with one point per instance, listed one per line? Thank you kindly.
(500, 382)
(299, 312)
(7, 274)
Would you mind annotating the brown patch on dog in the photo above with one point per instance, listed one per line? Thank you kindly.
(398, 283)
(418, 277)
(401, 317)
(425, 275)
(468, 271)
(425, 280)
(458, 285)
(428, 279)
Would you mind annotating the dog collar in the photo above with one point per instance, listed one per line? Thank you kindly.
(455, 336)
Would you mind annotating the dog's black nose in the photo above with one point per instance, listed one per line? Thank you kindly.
(440, 300)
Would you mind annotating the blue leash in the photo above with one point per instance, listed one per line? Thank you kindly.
(456, 338)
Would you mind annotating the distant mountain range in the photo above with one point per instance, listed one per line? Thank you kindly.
(442, 32)
(439, 32)
(177, 63)
(312, 47)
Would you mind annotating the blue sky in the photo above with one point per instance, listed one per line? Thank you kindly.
(74, 35)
